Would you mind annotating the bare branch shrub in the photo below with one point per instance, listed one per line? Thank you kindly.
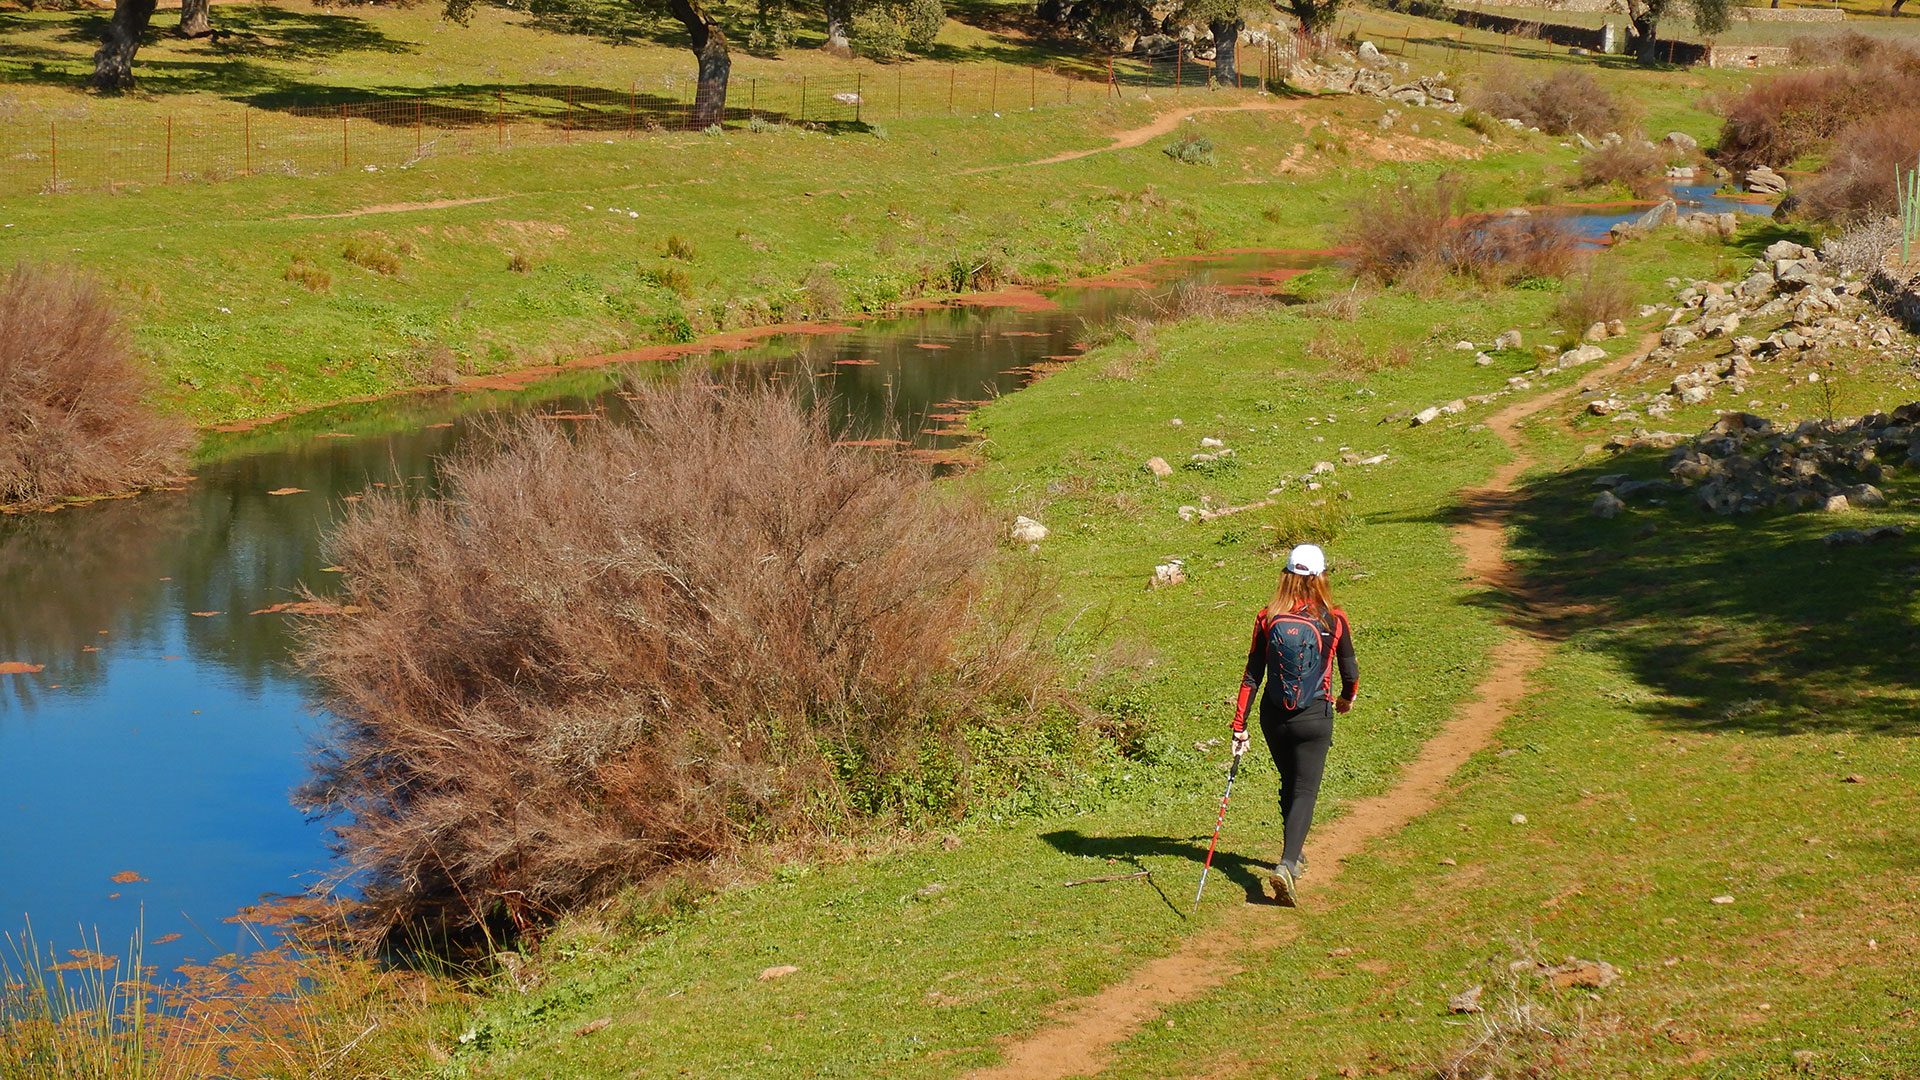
(1862, 249)
(1857, 182)
(656, 644)
(1632, 163)
(73, 413)
(1411, 234)
(1565, 101)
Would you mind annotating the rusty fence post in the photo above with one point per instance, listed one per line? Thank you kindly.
(169, 158)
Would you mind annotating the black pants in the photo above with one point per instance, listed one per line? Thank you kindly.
(1299, 741)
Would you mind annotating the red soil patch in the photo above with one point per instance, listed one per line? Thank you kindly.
(126, 877)
(286, 491)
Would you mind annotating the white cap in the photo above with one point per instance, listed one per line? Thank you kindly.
(1307, 560)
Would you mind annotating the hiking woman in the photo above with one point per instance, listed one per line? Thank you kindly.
(1297, 640)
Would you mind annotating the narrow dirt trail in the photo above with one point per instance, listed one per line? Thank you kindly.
(1082, 1043)
(1161, 124)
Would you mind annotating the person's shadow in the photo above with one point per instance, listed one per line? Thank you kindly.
(1249, 874)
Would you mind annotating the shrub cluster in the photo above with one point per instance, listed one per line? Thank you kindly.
(1632, 163)
(1857, 182)
(657, 643)
(1413, 235)
(73, 413)
(1565, 101)
(1778, 119)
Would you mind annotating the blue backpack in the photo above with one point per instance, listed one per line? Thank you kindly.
(1299, 658)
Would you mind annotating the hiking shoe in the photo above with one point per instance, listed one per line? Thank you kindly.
(1283, 886)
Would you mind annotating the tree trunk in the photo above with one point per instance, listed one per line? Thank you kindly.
(113, 62)
(1226, 47)
(1646, 39)
(709, 46)
(839, 27)
(193, 19)
(1895, 10)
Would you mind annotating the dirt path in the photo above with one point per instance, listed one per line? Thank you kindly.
(1160, 125)
(397, 208)
(1082, 1043)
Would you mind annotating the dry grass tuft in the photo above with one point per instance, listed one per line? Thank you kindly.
(371, 256)
(1596, 296)
(73, 413)
(657, 644)
(308, 276)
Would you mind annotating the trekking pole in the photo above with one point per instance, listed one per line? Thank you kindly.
(1221, 820)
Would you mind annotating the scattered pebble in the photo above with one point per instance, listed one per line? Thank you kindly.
(779, 972)
(1722, 899)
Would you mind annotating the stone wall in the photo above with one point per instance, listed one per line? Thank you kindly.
(1748, 56)
(1752, 14)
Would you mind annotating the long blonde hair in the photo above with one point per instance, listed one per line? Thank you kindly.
(1294, 589)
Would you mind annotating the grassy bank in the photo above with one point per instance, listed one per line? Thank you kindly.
(916, 961)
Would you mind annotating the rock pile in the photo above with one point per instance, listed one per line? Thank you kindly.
(1745, 463)
(1373, 75)
(1820, 308)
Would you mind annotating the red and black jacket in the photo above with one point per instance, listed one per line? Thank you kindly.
(1336, 643)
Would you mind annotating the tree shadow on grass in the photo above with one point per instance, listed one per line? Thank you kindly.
(1249, 874)
(1748, 622)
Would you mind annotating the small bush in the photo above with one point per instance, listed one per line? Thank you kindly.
(892, 28)
(1632, 163)
(73, 414)
(984, 272)
(308, 276)
(679, 247)
(671, 278)
(366, 254)
(651, 644)
(1190, 150)
(713, 129)
(820, 294)
(1478, 121)
(1565, 101)
(1863, 248)
(1598, 295)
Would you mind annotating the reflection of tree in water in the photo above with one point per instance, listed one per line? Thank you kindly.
(68, 575)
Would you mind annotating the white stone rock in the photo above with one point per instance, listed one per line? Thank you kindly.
(1028, 531)
(1426, 416)
(1158, 467)
(1608, 505)
(1211, 444)
(1508, 339)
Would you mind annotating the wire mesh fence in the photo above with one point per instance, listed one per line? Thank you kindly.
(48, 156)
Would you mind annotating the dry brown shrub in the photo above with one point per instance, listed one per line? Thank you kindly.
(654, 644)
(1857, 182)
(1565, 101)
(1411, 235)
(73, 413)
(370, 255)
(1779, 119)
(1632, 163)
(1598, 295)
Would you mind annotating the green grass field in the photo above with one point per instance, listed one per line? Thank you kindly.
(1710, 686)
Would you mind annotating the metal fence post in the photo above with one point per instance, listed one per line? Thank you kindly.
(803, 99)
(53, 142)
(246, 134)
(859, 94)
(499, 119)
(169, 159)
(343, 136)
